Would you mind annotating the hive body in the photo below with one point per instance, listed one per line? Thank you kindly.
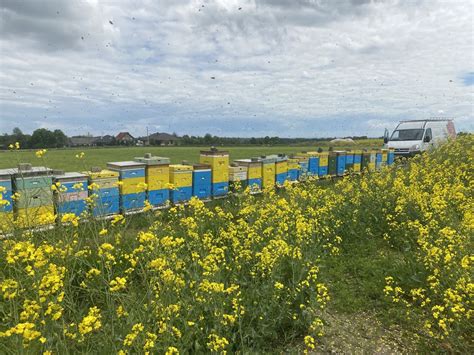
(181, 177)
(157, 178)
(71, 193)
(105, 195)
(34, 205)
(219, 162)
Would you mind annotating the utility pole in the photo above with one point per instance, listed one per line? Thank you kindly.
(147, 135)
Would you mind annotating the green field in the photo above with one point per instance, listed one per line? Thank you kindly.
(66, 158)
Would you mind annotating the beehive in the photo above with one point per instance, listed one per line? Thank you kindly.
(254, 172)
(104, 192)
(349, 161)
(157, 178)
(71, 193)
(181, 177)
(34, 205)
(6, 201)
(281, 168)
(373, 157)
(323, 164)
(293, 169)
(391, 156)
(268, 171)
(357, 161)
(202, 177)
(385, 153)
(132, 184)
(332, 164)
(378, 159)
(340, 162)
(303, 162)
(219, 162)
(238, 176)
(313, 163)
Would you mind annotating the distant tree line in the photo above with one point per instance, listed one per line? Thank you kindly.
(41, 138)
(209, 139)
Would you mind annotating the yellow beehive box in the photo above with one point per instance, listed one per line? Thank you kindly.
(181, 175)
(238, 173)
(157, 177)
(254, 167)
(293, 164)
(219, 162)
(35, 216)
(323, 159)
(268, 175)
(281, 167)
(385, 156)
(102, 174)
(132, 185)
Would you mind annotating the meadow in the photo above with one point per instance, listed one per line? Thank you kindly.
(369, 263)
(65, 158)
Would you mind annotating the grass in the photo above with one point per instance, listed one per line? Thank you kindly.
(65, 158)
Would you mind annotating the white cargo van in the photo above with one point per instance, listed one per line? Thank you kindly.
(416, 136)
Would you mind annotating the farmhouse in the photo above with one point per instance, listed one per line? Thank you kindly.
(163, 139)
(124, 138)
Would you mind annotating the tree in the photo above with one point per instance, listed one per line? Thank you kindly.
(44, 138)
(60, 137)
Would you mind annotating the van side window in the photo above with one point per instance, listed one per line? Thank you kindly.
(428, 133)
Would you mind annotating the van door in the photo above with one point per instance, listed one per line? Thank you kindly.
(428, 141)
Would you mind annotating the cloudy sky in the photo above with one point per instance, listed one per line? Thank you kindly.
(234, 67)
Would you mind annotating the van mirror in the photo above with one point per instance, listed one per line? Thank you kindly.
(385, 136)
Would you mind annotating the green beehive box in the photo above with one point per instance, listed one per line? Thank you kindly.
(332, 164)
(365, 160)
(34, 198)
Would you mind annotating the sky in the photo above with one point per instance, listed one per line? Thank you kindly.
(288, 68)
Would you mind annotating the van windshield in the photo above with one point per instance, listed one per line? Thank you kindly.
(407, 135)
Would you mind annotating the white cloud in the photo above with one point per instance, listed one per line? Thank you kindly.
(293, 68)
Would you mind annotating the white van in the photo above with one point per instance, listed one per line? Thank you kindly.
(416, 136)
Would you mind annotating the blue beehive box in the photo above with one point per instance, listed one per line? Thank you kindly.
(6, 183)
(378, 160)
(181, 194)
(340, 162)
(313, 165)
(202, 181)
(391, 157)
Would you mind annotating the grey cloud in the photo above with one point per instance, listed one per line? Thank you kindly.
(51, 24)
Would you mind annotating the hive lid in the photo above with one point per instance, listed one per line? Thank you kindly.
(70, 175)
(6, 174)
(26, 170)
(148, 159)
(130, 164)
(181, 167)
(214, 151)
(197, 166)
(237, 168)
(102, 174)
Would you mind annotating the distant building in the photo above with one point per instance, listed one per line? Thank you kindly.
(124, 138)
(163, 139)
(105, 140)
(82, 141)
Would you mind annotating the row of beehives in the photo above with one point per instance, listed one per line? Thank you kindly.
(29, 194)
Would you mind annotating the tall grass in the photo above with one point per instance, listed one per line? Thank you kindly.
(249, 273)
